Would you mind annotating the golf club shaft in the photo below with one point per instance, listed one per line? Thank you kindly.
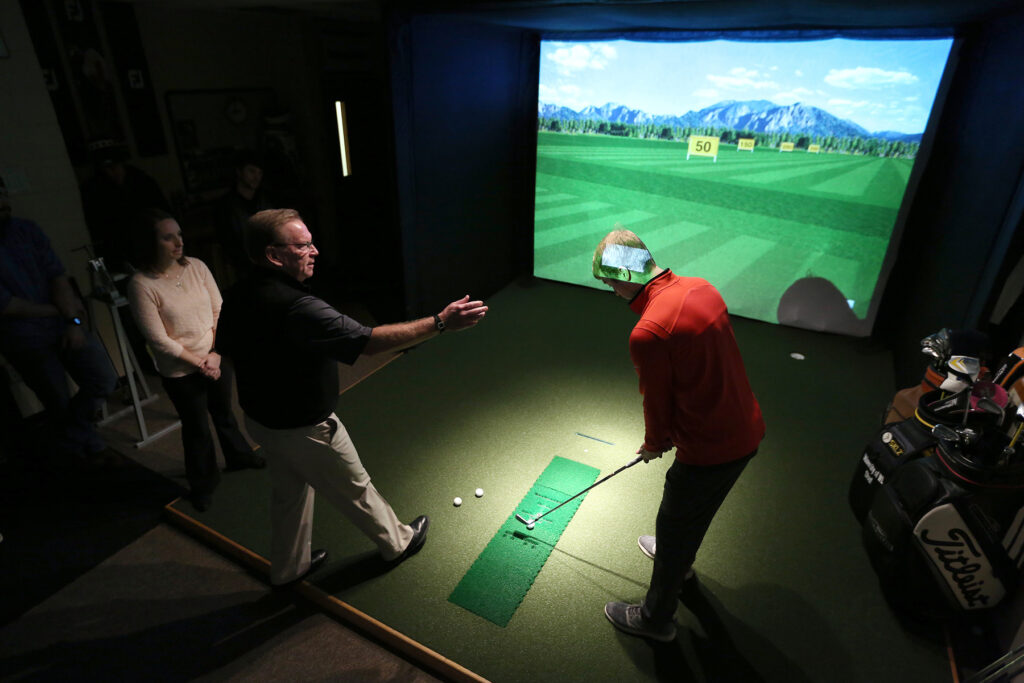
(1016, 434)
(601, 481)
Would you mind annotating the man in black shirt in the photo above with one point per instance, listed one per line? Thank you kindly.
(284, 343)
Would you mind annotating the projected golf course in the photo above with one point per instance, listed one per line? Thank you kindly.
(775, 169)
(750, 222)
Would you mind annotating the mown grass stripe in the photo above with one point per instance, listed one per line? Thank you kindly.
(600, 225)
(868, 220)
(581, 206)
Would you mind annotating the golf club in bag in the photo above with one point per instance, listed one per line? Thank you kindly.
(940, 494)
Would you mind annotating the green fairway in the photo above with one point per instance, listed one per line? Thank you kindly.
(751, 223)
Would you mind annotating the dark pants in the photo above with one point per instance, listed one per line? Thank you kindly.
(693, 494)
(194, 397)
(45, 370)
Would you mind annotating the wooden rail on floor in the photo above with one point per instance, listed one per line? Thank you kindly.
(389, 637)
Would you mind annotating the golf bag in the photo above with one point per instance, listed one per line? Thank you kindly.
(939, 491)
(946, 537)
(898, 443)
(893, 445)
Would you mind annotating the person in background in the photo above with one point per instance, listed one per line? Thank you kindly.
(176, 303)
(111, 199)
(696, 398)
(44, 335)
(245, 198)
(285, 344)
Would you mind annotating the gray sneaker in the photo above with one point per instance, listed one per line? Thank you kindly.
(629, 619)
(648, 544)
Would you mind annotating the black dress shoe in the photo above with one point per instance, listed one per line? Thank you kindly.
(316, 560)
(419, 527)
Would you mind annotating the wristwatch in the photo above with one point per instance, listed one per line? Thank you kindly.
(439, 324)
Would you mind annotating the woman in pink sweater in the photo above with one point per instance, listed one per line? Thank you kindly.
(176, 304)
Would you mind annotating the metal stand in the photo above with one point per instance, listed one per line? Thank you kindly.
(133, 374)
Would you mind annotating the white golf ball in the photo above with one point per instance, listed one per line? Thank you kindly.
(479, 493)
(457, 501)
(530, 526)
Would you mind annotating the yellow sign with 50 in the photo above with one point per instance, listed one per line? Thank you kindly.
(703, 146)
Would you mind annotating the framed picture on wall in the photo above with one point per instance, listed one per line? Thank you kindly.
(210, 126)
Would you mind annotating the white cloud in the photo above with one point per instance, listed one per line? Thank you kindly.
(740, 72)
(798, 72)
(868, 77)
(561, 95)
(839, 102)
(791, 96)
(742, 79)
(581, 56)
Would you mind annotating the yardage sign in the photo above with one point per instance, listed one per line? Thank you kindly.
(745, 144)
(703, 146)
(786, 147)
(813, 149)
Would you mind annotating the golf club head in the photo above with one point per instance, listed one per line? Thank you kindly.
(987, 405)
(945, 433)
(968, 436)
(522, 519)
(937, 346)
(964, 367)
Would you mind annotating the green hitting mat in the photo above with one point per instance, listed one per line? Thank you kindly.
(504, 571)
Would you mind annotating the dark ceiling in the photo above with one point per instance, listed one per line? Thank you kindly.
(555, 15)
(572, 15)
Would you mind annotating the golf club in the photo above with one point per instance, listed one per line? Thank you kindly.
(1009, 451)
(529, 523)
(937, 346)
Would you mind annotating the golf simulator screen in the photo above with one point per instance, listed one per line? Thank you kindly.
(774, 170)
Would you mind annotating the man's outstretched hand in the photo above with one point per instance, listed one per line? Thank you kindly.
(461, 314)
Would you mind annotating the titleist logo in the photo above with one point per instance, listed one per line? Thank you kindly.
(960, 558)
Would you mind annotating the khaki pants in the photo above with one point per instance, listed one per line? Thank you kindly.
(320, 457)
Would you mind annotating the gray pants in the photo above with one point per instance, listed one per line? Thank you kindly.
(693, 494)
(320, 457)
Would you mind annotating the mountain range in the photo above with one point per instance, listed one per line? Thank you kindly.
(758, 116)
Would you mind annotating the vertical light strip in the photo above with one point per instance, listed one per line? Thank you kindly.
(339, 110)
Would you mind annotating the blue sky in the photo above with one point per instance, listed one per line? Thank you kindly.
(878, 84)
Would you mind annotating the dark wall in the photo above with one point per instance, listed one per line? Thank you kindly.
(955, 230)
(465, 110)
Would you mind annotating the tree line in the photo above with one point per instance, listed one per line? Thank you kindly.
(652, 131)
